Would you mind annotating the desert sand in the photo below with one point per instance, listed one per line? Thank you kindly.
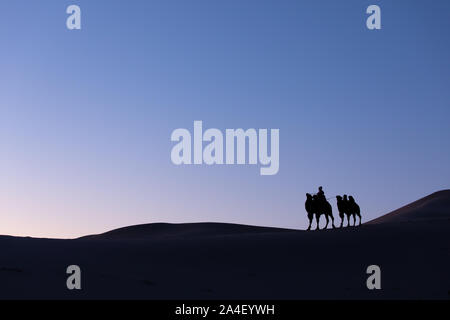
(226, 261)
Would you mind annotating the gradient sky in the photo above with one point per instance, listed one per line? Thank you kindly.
(86, 116)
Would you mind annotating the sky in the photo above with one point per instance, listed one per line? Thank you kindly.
(86, 115)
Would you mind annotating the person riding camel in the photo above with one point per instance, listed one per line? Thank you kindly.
(321, 194)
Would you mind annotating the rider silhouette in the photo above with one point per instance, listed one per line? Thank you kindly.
(321, 194)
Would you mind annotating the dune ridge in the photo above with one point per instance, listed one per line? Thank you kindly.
(153, 230)
(435, 206)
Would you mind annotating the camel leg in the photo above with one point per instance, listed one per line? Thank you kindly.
(326, 217)
(354, 220)
(310, 221)
(318, 221)
(342, 220)
(332, 222)
(348, 220)
(359, 219)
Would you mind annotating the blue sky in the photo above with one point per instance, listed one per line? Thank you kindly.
(86, 116)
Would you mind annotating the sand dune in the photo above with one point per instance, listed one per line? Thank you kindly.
(227, 261)
(436, 206)
(167, 230)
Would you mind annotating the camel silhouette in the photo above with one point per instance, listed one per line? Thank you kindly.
(354, 209)
(316, 206)
(344, 209)
(348, 207)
